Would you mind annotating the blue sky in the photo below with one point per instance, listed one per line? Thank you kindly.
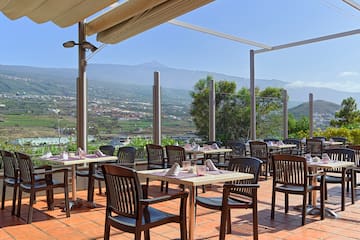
(334, 63)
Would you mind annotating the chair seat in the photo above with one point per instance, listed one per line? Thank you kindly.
(98, 175)
(292, 188)
(11, 181)
(332, 179)
(40, 185)
(155, 216)
(82, 173)
(216, 202)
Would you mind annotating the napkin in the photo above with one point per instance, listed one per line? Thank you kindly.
(46, 155)
(174, 170)
(214, 146)
(210, 165)
(99, 153)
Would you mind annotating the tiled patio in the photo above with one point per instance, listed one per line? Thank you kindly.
(86, 223)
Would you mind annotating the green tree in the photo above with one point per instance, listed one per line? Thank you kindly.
(232, 108)
(348, 115)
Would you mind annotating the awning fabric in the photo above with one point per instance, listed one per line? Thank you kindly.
(129, 18)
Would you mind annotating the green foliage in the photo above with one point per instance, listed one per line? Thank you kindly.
(233, 110)
(298, 128)
(348, 116)
(352, 135)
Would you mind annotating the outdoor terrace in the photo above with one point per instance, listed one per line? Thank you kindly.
(86, 223)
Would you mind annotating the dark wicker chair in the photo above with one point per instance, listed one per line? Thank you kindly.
(273, 140)
(174, 154)
(155, 159)
(314, 146)
(236, 194)
(29, 184)
(340, 139)
(105, 149)
(299, 146)
(259, 149)
(319, 138)
(342, 175)
(238, 150)
(129, 209)
(10, 178)
(125, 157)
(291, 177)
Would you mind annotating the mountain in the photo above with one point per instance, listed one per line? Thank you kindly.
(129, 81)
(320, 107)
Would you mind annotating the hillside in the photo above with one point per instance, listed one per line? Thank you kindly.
(129, 82)
(320, 107)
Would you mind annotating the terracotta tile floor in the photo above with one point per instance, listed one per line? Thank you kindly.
(86, 223)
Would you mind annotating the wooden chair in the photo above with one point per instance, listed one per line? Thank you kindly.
(295, 151)
(10, 178)
(129, 209)
(238, 150)
(125, 157)
(259, 149)
(155, 159)
(342, 175)
(340, 139)
(314, 146)
(236, 194)
(291, 177)
(356, 169)
(29, 184)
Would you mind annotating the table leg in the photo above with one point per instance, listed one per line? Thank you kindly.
(73, 182)
(191, 212)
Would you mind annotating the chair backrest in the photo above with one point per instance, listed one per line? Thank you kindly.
(212, 142)
(340, 139)
(155, 154)
(175, 154)
(320, 138)
(122, 190)
(340, 154)
(314, 147)
(107, 149)
(273, 140)
(26, 167)
(259, 149)
(10, 164)
(126, 155)
(289, 170)
(250, 165)
(295, 141)
(356, 149)
(238, 148)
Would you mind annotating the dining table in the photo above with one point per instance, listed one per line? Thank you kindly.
(193, 153)
(323, 165)
(73, 160)
(191, 180)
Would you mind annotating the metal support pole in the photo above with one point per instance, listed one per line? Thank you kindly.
(156, 109)
(82, 93)
(212, 133)
(311, 115)
(252, 97)
(285, 114)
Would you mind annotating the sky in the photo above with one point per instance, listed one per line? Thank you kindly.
(334, 63)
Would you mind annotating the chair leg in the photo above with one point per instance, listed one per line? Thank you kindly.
(322, 201)
(255, 220)
(99, 184)
(272, 205)
(14, 200)
(303, 210)
(107, 230)
(286, 203)
(353, 185)
(137, 235)
(343, 194)
(31, 209)
(223, 223)
(19, 203)
(228, 223)
(146, 234)
(67, 205)
(3, 196)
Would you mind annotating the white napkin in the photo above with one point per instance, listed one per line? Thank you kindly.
(210, 165)
(99, 153)
(214, 146)
(46, 155)
(174, 170)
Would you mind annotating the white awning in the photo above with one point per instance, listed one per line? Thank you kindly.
(129, 18)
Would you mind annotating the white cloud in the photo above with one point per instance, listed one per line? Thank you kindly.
(348, 74)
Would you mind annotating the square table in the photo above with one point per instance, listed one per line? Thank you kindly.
(191, 181)
(327, 165)
(75, 160)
